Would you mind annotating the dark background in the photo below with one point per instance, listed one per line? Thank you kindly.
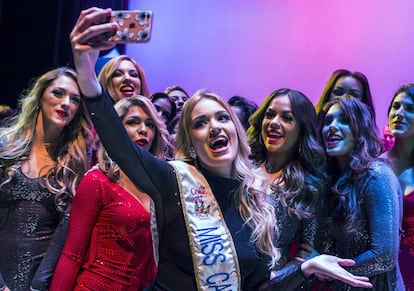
(34, 38)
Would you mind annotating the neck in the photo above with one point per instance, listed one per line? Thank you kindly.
(225, 171)
(271, 168)
(402, 149)
(343, 161)
(401, 155)
(270, 175)
(275, 162)
(45, 133)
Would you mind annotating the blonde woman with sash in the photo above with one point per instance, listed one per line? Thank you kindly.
(215, 228)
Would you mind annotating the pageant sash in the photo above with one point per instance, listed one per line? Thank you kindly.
(212, 248)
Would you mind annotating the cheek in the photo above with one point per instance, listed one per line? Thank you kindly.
(151, 135)
(264, 126)
(197, 136)
(410, 118)
(49, 101)
(74, 107)
(74, 112)
(130, 131)
(292, 129)
(324, 133)
(115, 82)
(295, 136)
(351, 141)
(137, 83)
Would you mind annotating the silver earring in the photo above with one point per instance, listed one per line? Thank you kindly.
(193, 153)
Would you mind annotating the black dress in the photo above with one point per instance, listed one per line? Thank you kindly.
(158, 179)
(32, 234)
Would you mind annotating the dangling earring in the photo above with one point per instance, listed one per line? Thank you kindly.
(193, 153)
(261, 140)
(300, 149)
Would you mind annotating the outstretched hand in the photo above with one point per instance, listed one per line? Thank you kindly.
(327, 266)
(88, 39)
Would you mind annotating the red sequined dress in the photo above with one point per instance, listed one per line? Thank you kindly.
(109, 241)
(407, 242)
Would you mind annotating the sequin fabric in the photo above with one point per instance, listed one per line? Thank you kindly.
(157, 178)
(374, 245)
(28, 219)
(407, 242)
(109, 243)
(292, 232)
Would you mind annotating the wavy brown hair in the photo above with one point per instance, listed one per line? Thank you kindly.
(367, 150)
(366, 96)
(159, 144)
(304, 177)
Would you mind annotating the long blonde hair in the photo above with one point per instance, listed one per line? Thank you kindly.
(254, 205)
(159, 144)
(108, 70)
(69, 151)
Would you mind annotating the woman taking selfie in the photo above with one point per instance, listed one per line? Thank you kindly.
(215, 226)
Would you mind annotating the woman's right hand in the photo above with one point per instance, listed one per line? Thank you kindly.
(331, 267)
(87, 39)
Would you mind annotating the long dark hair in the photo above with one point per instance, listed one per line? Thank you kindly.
(347, 184)
(304, 177)
(366, 96)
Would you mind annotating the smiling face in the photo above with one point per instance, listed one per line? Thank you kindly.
(347, 85)
(336, 132)
(214, 136)
(125, 81)
(401, 116)
(280, 130)
(139, 126)
(60, 102)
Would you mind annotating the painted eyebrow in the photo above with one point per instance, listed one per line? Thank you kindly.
(284, 111)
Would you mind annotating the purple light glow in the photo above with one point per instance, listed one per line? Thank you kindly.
(250, 48)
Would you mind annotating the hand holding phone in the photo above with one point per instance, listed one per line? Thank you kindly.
(134, 26)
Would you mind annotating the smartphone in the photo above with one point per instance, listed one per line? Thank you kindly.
(134, 26)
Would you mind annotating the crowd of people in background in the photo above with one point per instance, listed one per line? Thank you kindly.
(105, 185)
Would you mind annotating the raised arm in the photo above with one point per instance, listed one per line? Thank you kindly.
(86, 43)
(137, 163)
